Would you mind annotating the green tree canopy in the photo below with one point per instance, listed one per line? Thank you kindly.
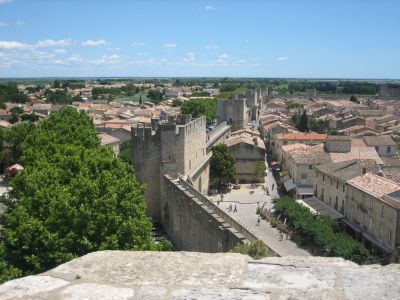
(222, 165)
(201, 107)
(73, 197)
(303, 125)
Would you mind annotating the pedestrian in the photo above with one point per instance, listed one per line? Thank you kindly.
(258, 220)
(230, 207)
(218, 202)
(280, 235)
(273, 185)
(235, 210)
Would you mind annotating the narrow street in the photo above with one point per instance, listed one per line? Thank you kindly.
(246, 204)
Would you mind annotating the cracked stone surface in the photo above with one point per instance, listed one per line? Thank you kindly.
(191, 275)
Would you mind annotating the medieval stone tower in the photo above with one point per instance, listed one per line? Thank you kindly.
(176, 147)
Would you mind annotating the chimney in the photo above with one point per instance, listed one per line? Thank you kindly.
(364, 170)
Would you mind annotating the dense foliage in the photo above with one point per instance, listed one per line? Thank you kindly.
(10, 93)
(321, 232)
(222, 165)
(58, 97)
(101, 92)
(201, 107)
(155, 95)
(73, 197)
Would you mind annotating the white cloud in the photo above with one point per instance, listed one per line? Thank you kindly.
(60, 51)
(3, 24)
(13, 45)
(58, 62)
(210, 7)
(75, 58)
(224, 56)
(5, 1)
(283, 58)
(212, 46)
(94, 43)
(141, 53)
(170, 45)
(189, 57)
(53, 43)
(241, 61)
(138, 44)
(107, 60)
(20, 23)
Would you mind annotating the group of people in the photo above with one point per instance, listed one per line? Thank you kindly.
(230, 208)
(266, 189)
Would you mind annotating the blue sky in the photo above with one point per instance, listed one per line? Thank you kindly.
(292, 38)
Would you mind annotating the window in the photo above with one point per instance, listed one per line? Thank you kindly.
(380, 230)
(377, 148)
(390, 237)
(370, 223)
(330, 200)
(382, 210)
(337, 185)
(388, 149)
(363, 199)
(303, 176)
(190, 164)
(285, 142)
(322, 194)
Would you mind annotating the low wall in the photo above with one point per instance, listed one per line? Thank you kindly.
(192, 225)
(222, 215)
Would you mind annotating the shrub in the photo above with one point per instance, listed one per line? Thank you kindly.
(255, 249)
(321, 232)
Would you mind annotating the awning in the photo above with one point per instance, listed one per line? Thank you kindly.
(352, 226)
(305, 190)
(321, 207)
(369, 238)
(289, 185)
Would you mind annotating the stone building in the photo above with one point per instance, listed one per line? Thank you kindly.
(175, 147)
(248, 149)
(373, 211)
(234, 112)
(279, 140)
(330, 180)
(384, 144)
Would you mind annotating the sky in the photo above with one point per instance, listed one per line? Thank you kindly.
(231, 38)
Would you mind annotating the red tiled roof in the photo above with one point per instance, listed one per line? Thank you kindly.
(303, 136)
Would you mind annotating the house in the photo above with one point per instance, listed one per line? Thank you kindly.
(279, 140)
(109, 141)
(384, 144)
(330, 180)
(5, 115)
(249, 152)
(372, 211)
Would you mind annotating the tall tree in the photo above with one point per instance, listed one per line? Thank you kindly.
(73, 197)
(222, 165)
(303, 122)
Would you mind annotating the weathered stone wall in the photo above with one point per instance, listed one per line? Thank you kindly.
(146, 150)
(132, 275)
(193, 226)
(234, 112)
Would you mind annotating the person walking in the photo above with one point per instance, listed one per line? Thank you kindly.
(230, 207)
(235, 210)
(258, 221)
(273, 185)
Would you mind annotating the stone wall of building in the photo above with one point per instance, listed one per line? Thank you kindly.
(192, 225)
(234, 112)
